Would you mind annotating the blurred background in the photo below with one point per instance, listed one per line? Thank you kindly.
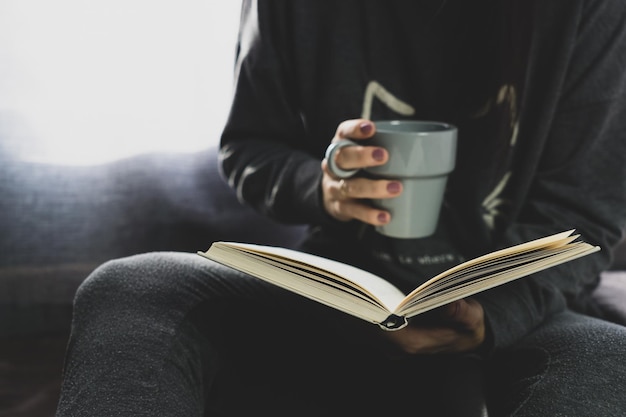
(110, 115)
(90, 81)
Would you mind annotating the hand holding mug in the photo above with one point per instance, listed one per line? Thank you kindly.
(406, 165)
(346, 198)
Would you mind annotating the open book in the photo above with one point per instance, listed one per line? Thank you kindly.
(372, 298)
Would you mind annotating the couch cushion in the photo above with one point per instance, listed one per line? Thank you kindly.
(59, 214)
(59, 222)
(38, 299)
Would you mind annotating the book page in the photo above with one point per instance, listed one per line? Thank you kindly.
(418, 305)
(556, 240)
(376, 287)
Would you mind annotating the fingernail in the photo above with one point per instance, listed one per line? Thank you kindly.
(382, 217)
(366, 128)
(378, 154)
(394, 187)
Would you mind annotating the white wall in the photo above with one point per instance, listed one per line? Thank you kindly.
(89, 81)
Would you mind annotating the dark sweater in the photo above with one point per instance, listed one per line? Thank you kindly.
(537, 91)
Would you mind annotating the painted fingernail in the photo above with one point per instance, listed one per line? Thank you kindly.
(394, 187)
(378, 154)
(365, 128)
(382, 217)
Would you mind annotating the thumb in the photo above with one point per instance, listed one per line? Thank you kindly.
(466, 313)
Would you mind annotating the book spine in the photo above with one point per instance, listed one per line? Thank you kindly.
(393, 322)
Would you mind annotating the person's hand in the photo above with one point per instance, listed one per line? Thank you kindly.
(343, 198)
(453, 328)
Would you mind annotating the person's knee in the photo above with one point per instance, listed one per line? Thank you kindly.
(598, 343)
(126, 280)
(569, 359)
(580, 338)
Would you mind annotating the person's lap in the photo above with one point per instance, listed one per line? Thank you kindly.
(198, 331)
(337, 367)
(571, 365)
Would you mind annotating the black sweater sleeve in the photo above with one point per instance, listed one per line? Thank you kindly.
(580, 177)
(266, 154)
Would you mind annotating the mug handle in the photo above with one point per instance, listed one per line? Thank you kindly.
(330, 159)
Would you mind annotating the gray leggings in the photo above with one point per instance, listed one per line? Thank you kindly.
(172, 334)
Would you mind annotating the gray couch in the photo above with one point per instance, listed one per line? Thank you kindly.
(58, 223)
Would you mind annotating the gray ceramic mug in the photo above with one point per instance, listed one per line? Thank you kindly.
(421, 155)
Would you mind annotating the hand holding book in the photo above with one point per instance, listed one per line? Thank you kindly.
(455, 327)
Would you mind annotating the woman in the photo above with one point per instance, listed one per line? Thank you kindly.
(537, 90)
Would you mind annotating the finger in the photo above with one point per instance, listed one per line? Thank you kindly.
(366, 188)
(355, 157)
(341, 206)
(342, 198)
(355, 209)
(465, 320)
(432, 340)
(362, 188)
(460, 328)
(465, 313)
(355, 129)
(441, 340)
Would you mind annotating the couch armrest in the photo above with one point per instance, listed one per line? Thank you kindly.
(611, 296)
